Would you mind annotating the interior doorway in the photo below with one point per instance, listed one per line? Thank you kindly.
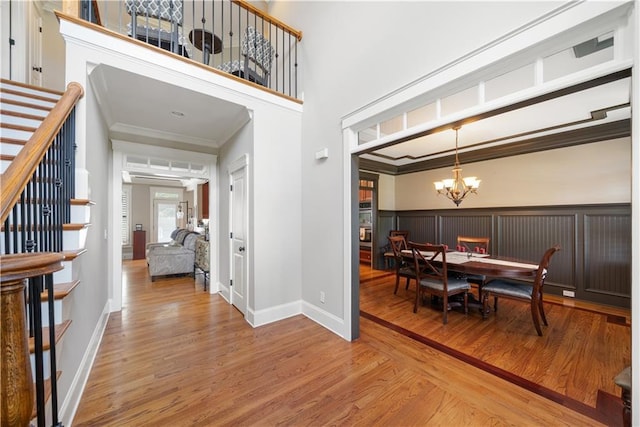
(239, 221)
(164, 219)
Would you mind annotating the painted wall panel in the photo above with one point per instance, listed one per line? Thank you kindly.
(595, 256)
(608, 254)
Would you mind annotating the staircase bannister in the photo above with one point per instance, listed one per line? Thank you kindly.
(17, 390)
(21, 169)
(251, 8)
(209, 32)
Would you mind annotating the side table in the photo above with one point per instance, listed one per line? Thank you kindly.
(205, 41)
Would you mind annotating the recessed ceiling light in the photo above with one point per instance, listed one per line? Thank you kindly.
(177, 113)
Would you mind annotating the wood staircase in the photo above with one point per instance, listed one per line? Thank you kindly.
(38, 256)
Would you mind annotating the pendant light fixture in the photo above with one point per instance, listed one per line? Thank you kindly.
(456, 189)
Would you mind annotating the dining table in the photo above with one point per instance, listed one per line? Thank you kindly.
(483, 264)
(474, 263)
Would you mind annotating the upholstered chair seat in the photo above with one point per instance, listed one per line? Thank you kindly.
(510, 288)
(531, 293)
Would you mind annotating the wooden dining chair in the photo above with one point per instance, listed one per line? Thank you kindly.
(521, 291)
(403, 233)
(387, 251)
(477, 245)
(431, 272)
(403, 268)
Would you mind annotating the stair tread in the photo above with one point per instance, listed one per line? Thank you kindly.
(71, 255)
(61, 290)
(22, 115)
(31, 87)
(60, 330)
(82, 202)
(75, 226)
(30, 95)
(47, 394)
(18, 127)
(15, 141)
(65, 227)
(25, 104)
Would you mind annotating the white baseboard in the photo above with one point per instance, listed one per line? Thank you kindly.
(224, 292)
(72, 400)
(273, 314)
(326, 319)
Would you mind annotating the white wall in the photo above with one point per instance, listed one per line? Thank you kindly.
(4, 34)
(587, 174)
(53, 52)
(367, 51)
(277, 209)
(89, 302)
(240, 144)
(272, 141)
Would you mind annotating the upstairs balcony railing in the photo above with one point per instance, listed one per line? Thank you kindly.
(232, 36)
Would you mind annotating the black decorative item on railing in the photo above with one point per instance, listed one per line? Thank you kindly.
(232, 36)
(36, 221)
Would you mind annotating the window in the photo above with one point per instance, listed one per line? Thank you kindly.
(126, 215)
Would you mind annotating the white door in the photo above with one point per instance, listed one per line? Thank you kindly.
(35, 49)
(239, 223)
(164, 219)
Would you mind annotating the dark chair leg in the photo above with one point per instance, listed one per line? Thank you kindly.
(466, 302)
(407, 286)
(485, 305)
(535, 315)
(445, 309)
(415, 305)
(541, 310)
(395, 291)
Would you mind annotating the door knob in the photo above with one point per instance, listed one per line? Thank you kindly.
(241, 249)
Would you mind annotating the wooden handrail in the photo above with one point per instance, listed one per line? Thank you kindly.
(251, 8)
(17, 175)
(24, 266)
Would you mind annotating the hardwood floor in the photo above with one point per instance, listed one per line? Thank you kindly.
(178, 356)
(584, 347)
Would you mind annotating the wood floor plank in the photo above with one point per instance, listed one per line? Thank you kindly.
(178, 356)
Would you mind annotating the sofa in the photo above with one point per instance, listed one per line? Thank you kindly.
(175, 257)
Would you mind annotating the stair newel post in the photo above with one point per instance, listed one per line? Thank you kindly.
(17, 380)
(17, 273)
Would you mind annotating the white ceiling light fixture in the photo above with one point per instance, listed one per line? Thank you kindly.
(456, 189)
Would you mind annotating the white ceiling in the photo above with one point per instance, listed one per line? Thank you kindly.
(606, 103)
(144, 109)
